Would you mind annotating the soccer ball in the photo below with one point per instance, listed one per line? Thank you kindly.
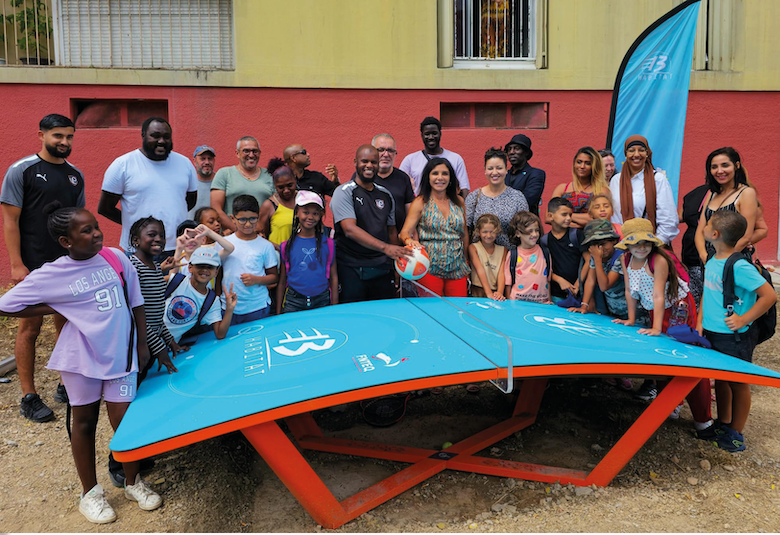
(414, 267)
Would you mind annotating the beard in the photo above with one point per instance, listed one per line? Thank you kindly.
(57, 152)
(149, 150)
(205, 174)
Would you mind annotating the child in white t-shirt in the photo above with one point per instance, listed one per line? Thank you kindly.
(252, 266)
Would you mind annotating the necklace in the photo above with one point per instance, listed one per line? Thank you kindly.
(251, 176)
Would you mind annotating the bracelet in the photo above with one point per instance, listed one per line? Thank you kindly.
(586, 305)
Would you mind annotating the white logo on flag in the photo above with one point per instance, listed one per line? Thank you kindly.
(655, 68)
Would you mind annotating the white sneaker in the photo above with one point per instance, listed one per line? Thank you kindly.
(147, 499)
(676, 413)
(95, 507)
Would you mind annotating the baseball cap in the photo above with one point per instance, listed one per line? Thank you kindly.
(205, 255)
(305, 197)
(203, 148)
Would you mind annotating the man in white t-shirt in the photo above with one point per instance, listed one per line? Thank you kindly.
(152, 180)
(414, 163)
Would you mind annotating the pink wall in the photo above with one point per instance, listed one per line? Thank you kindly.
(331, 124)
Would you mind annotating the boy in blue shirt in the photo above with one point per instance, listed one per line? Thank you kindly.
(754, 297)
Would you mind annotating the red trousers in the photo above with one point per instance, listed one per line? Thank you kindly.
(445, 287)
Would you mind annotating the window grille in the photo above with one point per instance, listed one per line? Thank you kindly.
(145, 34)
(495, 29)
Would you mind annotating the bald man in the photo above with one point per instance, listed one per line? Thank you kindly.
(298, 159)
(366, 235)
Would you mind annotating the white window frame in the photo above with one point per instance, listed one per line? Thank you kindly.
(538, 37)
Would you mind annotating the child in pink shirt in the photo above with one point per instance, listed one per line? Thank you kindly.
(527, 269)
(97, 353)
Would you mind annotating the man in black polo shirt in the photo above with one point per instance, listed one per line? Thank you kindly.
(396, 181)
(298, 159)
(523, 177)
(366, 235)
(29, 185)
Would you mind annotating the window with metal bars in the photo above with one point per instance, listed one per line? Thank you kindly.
(495, 29)
(145, 34)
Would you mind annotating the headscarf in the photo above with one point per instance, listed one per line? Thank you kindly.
(626, 194)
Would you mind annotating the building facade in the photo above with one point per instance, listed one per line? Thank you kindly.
(330, 74)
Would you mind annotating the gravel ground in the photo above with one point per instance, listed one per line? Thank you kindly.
(674, 484)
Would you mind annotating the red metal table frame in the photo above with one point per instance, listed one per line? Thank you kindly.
(294, 471)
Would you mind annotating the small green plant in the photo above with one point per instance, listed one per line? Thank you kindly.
(34, 25)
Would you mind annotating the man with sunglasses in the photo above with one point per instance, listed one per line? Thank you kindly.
(247, 177)
(298, 159)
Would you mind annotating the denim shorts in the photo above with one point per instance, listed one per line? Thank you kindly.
(295, 301)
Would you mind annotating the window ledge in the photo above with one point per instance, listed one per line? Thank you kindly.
(510, 64)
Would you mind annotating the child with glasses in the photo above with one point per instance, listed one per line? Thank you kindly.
(253, 265)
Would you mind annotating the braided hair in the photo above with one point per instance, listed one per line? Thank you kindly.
(58, 222)
(140, 225)
(296, 228)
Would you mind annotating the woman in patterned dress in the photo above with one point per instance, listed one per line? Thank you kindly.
(587, 180)
(438, 215)
(496, 197)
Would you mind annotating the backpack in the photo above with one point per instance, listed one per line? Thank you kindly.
(513, 262)
(113, 261)
(211, 296)
(573, 239)
(768, 321)
(682, 272)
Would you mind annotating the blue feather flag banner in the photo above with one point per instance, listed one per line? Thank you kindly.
(651, 89)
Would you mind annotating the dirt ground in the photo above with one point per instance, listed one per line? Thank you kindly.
(675, 483)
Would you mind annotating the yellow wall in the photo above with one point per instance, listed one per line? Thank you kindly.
(393, 44)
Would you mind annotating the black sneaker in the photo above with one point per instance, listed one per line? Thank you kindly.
(647, 392)
(116, 472)
(711, 432)
(61, 396)
(731, 440)
(33, 408)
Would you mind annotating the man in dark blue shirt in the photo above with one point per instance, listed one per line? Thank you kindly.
(521, 176)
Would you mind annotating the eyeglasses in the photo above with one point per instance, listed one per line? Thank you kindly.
(250, 151)
(380, 150)
(247, 220)
(302, 151)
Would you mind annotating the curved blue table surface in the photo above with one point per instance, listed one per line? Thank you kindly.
(296, 357)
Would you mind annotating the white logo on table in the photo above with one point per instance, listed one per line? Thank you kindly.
(304, 343)
(365, 363)
(582, 327)
(486, 305)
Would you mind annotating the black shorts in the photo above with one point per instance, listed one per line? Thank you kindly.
(728, 344)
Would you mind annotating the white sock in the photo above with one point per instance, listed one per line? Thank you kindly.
(700, 426)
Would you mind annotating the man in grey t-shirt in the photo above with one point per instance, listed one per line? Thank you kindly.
(203, 157)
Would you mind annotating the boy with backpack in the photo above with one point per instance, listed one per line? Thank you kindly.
(735, 296)
(563, 243)
(191, 304)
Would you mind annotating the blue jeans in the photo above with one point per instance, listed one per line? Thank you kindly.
(295, 301)
(237, 319)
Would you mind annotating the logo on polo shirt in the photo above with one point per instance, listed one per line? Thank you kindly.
(73, 180)
(380, 203)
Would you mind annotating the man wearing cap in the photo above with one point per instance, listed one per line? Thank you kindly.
(203, 157)
(529, 180)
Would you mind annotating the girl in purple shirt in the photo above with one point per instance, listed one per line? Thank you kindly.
(98, 350)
